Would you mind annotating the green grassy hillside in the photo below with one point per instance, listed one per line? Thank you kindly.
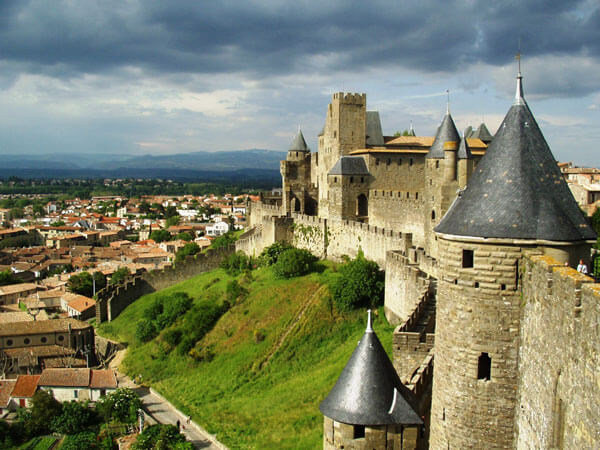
(275, 355)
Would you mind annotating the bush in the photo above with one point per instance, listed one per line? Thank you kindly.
(164, 437)
(121, 405)
(236, 263)
(225, 240)
(360, 284)
(270, 254)
(294, 262)
(172, 337)
(145, 330)
(85, 439)
(38, 418)
(119, 275)
(191, 248)
(198, 322)
(74, 418)
(234, 292)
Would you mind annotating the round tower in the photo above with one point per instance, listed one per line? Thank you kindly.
(516, 203)
(295, 175)
(369, 407)
(440, 177)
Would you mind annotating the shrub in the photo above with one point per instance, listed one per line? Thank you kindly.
(236, 263)
(164, 437)
(74, 418)
(160, 236)
(234, 292)
(145, 330)
(85, 439)
(360, 283)
(198, 322)
(121, 405)
(172, 337)
(37, 419)
(174, 306)
(294, 262)
(225, 240)
(270, 254)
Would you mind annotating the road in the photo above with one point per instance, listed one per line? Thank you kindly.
(163, 412)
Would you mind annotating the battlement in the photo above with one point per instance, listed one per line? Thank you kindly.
(350, 98)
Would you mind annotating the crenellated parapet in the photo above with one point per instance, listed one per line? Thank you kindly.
(559, 357)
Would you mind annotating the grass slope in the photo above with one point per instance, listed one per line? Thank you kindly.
(254, 394)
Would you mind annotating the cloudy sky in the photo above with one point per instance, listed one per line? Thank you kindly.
(137, 77)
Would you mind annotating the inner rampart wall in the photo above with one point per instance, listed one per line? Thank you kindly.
(559, 358)
(115, 298)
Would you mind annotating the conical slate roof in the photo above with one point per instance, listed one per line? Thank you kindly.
(299, 144)
(349, 165)
(445, 133)
(368, 391)
(517, 190)
(373, 129)
(464, 151)
(482, 133)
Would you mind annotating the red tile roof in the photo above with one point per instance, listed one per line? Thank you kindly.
(65, 377)
(103, 379)
(6, 388)
(26, 386)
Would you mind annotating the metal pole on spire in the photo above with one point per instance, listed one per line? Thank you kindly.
(519, 100)
(448, 101)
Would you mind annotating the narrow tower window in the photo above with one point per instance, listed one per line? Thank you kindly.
(359, 431)
(467, 259)
(433, 215)
(437, 164)
(484, 367)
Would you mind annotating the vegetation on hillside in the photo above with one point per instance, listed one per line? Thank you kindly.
(269, 352)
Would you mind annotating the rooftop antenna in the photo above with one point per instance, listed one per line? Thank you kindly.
(448, 101)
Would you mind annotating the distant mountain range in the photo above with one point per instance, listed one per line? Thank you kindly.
(223, 165)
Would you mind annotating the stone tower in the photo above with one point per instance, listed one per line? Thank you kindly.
(348, 182)
(369, 407)
(440, 177)
(296, 178)
(516, 203)
(344, 131)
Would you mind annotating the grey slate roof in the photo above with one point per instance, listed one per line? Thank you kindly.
(445, 133)
(368, 391)
(350, 165)
(299, 144)
(373, 129)
(482, 133)
(464, 151)
(517, 190)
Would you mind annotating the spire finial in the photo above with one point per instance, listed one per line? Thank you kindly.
(369, 322)
(448, 101)
(519, 100)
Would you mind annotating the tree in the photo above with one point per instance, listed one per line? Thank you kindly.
(173, 221)
(360, 283)
(225, 240)
(144, 207)
(294, 262)
(119, 275)
(83, 283)
(270, 254)
(185, 236)
(7, 277)
(58, 223)
(191, 248)
(595, 219)
(74, 418)
(121, 405)
(38, 417)
(171, 211)
(160, 236)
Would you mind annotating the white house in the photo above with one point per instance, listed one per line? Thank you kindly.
(78, 384)
(217, 229)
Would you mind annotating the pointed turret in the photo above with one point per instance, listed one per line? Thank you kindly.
(411, 131)
(517, 190)
(446, 136)
(369, 391)
(464, 151)
(299, 144)
(482, 133)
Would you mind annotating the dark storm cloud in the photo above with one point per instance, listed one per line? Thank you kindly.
(64, 38)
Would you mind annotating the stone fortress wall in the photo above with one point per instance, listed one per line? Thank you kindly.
(114, 298)
(536, 319)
